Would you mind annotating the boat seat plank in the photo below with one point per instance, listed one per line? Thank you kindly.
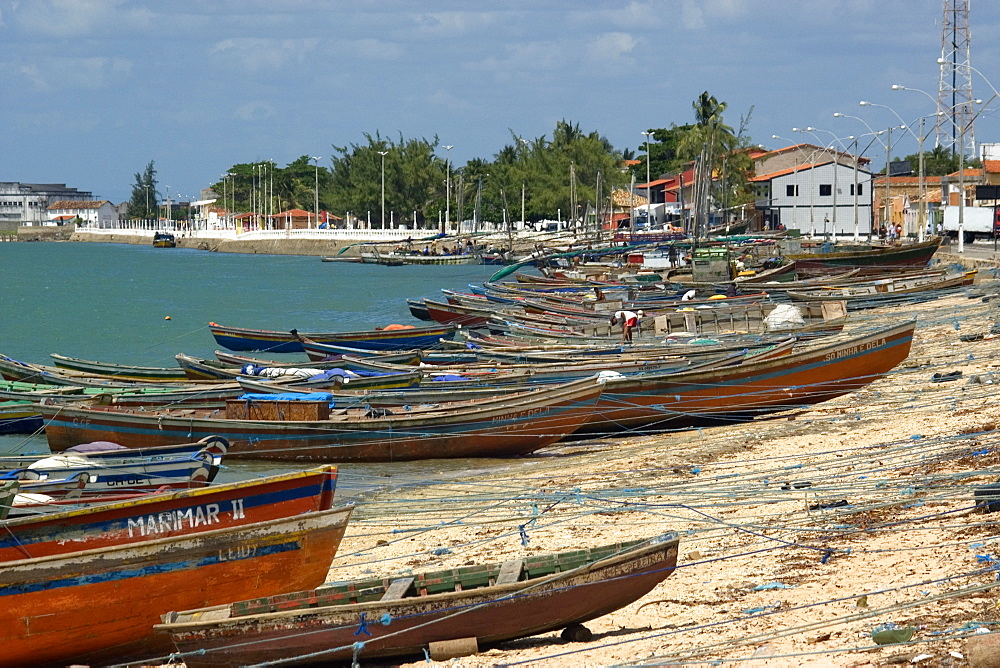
(397, 589)
(510, 571)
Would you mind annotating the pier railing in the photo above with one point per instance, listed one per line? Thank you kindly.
(142, 228)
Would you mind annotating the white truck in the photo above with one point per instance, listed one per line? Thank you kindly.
(978, 222)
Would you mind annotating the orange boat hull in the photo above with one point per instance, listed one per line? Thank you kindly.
(100, 605)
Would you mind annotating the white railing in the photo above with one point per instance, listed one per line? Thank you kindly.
(144, 228)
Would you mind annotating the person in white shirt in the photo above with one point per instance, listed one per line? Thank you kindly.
(629, 321)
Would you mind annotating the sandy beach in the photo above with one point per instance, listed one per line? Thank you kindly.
(801, 534)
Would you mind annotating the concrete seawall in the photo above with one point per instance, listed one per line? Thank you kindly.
(317, 247)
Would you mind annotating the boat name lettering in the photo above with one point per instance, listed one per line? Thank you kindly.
(520, 414)
(125, 481)
(176, 520)
(235, 553)
(854, 350)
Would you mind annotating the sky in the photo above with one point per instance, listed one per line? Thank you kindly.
(95, 89)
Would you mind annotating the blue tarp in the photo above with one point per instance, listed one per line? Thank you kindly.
(287, 396)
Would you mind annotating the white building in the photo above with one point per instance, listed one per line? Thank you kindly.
(829, 193)
(28, 203)
(95, 213)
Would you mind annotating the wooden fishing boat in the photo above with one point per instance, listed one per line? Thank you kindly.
(19, 417)
(119, 371)
(457, 314)
(418, 310)
(104, 451)
(12, 369)
(889, 290)
(402, 616)
(172, 513)
(16, 390)
(8, 492)
(317, 351)
(236, 338)
(306, 429)
(202, 369)
(100, 605)
(164, 240)
(873, 261)
(122, 471)
(809, 376)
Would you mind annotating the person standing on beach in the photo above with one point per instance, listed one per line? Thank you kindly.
(629, 321)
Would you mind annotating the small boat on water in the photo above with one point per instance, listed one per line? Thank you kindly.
(19, 417)
(390, 338)
(164, 240)
(406, 615)
(98, 606)
(119, 371)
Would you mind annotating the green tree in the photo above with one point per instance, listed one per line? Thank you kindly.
(725, 150)
(939, 162)
(142, 204)
(414, 179)
(664, 152)
(265, 185)
(544, 169)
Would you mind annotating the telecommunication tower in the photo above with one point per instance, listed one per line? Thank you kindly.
(955, 125)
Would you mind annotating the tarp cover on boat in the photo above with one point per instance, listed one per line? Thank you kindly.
(287, 396)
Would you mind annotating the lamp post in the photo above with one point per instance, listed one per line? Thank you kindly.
(383, 154)
(795, 188)
(811, 130)
(920, 137)
(888, 147)
(961, 154)
(649, 188)
(447, 188)
(315, 158)
(146, 187)
(904, 126)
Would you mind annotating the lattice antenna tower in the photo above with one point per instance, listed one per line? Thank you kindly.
(955, 83)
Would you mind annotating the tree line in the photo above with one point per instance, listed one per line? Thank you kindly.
(567, 174)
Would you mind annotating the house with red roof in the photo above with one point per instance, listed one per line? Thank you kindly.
(95, 213)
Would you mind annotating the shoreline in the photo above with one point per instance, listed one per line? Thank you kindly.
(800, 534)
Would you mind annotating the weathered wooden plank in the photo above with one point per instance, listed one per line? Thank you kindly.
(397, 589)
(510, 571)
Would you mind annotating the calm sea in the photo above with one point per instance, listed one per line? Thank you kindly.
(140, 305)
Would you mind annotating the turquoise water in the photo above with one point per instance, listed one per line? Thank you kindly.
(110, 302)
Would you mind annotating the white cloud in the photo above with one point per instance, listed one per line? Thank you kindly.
(263, 54)
(611, 47)
(699, 14)
(66, 73)
(74, 18)
(256, 110)
(454, 25)
(371, 49)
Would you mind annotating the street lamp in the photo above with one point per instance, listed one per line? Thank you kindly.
(447, 188)
(826, 149)
(315, 158)
(146, 187)
(383, 154)
(888, 157)
(649, 187)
